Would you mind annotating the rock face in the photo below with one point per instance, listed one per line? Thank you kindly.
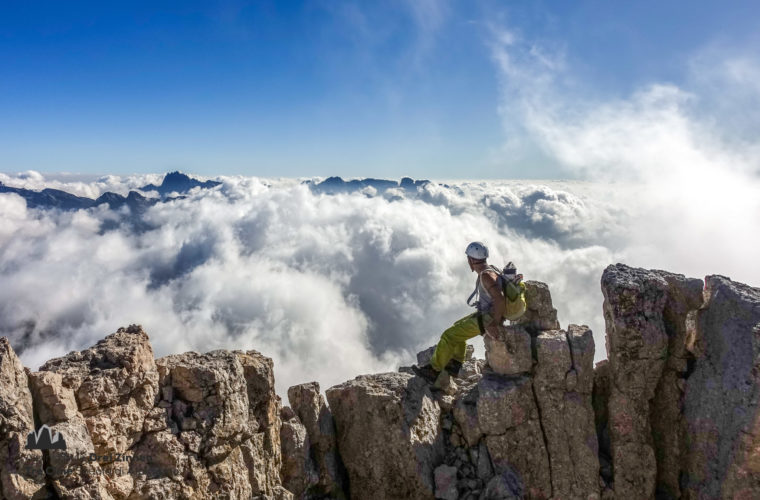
(98, 399)
(563, 383)
(184, 426)
(673, 413)
(637, 343)
(510, 353)
(389, 435)
(298, 470)
(679, 397)
(722, 395)
(21, 470)
(310, 408)
(522, 426)
(221, 427)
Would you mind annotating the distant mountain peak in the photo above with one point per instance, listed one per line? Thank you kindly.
(177, 182)
(335, 184)
(174, 182)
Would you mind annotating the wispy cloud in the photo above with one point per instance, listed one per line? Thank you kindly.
(691, 190)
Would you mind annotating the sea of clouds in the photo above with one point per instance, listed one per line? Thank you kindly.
(329, 286)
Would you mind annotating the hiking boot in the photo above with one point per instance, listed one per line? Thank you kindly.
(453, 367)
(427, 372)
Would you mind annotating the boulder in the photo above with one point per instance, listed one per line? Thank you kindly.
(600, 401)
(504, 402)
(465, 412)
(73, 472)
(521, 450)
(540, 314)
(389, 435)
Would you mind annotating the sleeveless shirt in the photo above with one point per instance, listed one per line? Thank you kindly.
(485, 302)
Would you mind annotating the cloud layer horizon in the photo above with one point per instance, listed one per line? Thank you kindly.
(329, 286)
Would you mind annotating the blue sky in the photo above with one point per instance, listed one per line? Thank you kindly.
(321, 88)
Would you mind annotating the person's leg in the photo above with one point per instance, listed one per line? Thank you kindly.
(453, 343)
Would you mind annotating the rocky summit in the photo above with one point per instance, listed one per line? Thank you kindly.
(672, 413)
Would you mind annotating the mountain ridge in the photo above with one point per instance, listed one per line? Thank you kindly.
(173, 182)
(534, 419)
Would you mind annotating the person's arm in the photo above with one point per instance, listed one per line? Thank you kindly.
(491, 284)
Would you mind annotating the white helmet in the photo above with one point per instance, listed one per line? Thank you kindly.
(477, 250)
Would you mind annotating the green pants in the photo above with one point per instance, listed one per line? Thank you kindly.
(453, 343)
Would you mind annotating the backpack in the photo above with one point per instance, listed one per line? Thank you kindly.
(513, 289)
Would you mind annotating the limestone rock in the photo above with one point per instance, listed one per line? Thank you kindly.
(309, 405)
(600, 400)
(567, 416)
(510, 353)
(582, 349)
(504, 402)
(184, 426)
(21, 470)
(637, 343)
(684, 296)
(113, 385)
(646, 314)
(224, 402)
(722, 395)
(389, 435)
(465, 412)
(521, 449)
(97, 399)
(298, 470)
(509, 418)
(540, 314)
(671, 414)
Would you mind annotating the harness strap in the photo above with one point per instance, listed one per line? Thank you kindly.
(473, 294)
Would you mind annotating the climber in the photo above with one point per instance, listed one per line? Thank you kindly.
(450, 352)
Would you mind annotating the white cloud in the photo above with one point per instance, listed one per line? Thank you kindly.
(79, 184)
(328, 286)
(682, 162)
